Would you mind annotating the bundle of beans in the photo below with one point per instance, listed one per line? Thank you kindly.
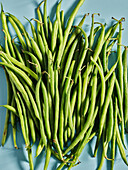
(61, 89)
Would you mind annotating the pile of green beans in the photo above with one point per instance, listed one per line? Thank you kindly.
(61, 88)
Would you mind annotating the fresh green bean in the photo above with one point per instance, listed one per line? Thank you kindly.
(54, 36)
(9, 98)
(5, 28)
(69, 59)
(104, 110)
(120, 103)
(45, 19)
(114, 134)
(19, 64)
(59, 22)
(61, 123)
(119, 55)
(62, 19)
(125, 75)
(48, 155)
(67, 30)
(89, 118)
(40, 147)
(14, 20)
(72, 38)
(33, 30)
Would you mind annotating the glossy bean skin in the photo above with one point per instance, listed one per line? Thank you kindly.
(125, 75)
(9, 98)
(5, 28)
(120, 65)
(114, 133)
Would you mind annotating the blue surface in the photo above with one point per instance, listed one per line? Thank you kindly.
(11, 158)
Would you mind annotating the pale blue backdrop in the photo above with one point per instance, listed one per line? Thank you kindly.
(12, 159)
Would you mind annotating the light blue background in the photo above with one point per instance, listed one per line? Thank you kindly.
(11, 158)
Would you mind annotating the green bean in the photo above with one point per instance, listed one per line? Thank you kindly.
(9, 98)
(66, 32)
(33, 30)
(83, 54)
(51, 73)
(102, 82)
(38, 101)
(59, 22)
(111, 71)
(25, 116)
(73, 99)
(13, 119)
(90, 66)
(13, 123)
(104, 56)
(68, 62)
(61, 123)
(18, 53)
(10, 108)
(78, 117)
(45, 19)
(109, 128)
(105, 147)
(63, 163)
(20, 72)
(62, 19)
(72, 38)
(6, 45)
(30, 159)
(109, 47)
(50, 25)
(125, 74)
(32, 126)
(68, 106)
(120, 145)
(57, 103)
(120, 102)
(36, 49)
(46, 118)
(74, 125)
(91, 37)
(39, 17)
(17, 32)
(86, 138)
(20, 115)
(119, 55)
(90, 115)
(40, 147)
(114, 134)
(104, 110)
(54, 35)
(48, 155)
(40, 28)
(35, 60)
(42, 49)
(5, 28)
(14, 20)
(19, 64)
(84, 108)
(31, 99)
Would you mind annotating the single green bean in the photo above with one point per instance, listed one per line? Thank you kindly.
(104, 110)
